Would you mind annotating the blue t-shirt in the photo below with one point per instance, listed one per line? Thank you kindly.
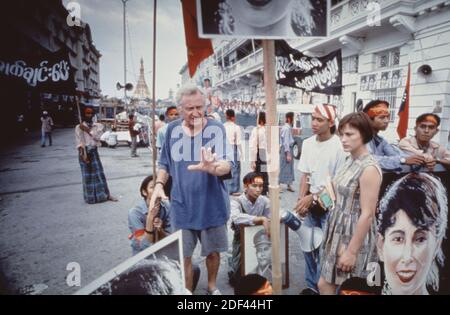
(198, 200)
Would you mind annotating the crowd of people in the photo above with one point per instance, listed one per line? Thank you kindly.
(197, 189)
(239, 107)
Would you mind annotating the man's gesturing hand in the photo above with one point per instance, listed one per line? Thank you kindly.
(208, 162)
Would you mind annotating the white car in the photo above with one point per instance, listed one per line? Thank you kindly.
(114, 138)
(124, 136)
(109, 139)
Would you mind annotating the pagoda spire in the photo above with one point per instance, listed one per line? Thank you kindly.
(141, 92)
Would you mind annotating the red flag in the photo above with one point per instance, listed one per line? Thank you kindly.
(198, 48)
(403, 112)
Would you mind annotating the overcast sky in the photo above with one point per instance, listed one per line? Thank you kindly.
(105, 18)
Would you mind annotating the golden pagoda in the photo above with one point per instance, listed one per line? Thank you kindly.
(141, 91)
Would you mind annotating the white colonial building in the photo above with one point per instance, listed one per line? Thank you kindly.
(378, 39)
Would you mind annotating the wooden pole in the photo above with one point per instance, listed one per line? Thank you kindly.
(154, 94)
(273, 163)
(78, 108)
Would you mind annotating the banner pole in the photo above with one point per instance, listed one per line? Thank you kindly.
(273, 145)
(155, 153)
(78, 108)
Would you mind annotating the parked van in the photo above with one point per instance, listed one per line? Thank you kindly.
(302, 128)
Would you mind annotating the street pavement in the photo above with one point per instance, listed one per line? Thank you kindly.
(45, 224)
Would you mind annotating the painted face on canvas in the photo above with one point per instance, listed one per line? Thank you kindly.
(260, 13)
(173, 276)
(408, 252)
(264, 254)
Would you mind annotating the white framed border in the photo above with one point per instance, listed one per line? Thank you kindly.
(201, 33)
(127, 264)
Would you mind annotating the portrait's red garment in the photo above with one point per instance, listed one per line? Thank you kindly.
(198, 49)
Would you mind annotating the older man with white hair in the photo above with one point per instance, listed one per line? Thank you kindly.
(197, 156)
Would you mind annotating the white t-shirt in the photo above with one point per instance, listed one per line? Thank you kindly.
(233, 133)
(321, 160)
(257, 139)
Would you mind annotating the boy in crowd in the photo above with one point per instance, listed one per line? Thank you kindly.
(140, 237)
(251, 208)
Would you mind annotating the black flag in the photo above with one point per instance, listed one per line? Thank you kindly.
(312, 74)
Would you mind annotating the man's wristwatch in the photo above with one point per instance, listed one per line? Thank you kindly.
(149, 232)
(403, 160)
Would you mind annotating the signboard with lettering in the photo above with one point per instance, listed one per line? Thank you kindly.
(312, 74)
(51, 73)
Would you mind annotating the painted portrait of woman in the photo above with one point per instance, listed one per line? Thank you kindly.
(364, 83)
(153, 276)
(384, 83)
(396, 79)
(372, 82)
(412, 224)
(263, 18)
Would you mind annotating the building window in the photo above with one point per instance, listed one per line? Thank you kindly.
(350, 64)
(390, 96)
(388, 58)
(396, 58)
(384, 60)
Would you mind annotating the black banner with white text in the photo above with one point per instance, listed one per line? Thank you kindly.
(312, 74)
(51, 73)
